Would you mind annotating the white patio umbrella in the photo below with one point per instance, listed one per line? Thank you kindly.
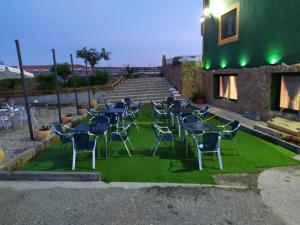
(7, 72)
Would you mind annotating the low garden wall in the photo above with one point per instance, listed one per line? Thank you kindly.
(186, 77)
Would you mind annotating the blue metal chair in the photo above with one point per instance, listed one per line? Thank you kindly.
(175, 110)
(127, 102)
(135, 106)
(91, 112)
(133, 115)
(202, 112)
(211, 143)
(64, 137)
(108, 104)
(160, 114)
(82, 143)
(229, 131)
(96, 121)
(179, 119)
(162, 134)
(122, 134)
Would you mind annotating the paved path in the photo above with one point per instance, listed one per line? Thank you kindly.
(34, 204)
(280, 188)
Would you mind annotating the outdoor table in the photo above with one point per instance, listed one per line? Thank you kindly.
(97, 130)
(177, 113)
(2, 111)
(115, 110)
(112, 110)
(197, 129)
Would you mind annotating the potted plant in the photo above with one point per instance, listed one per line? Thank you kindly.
(2, 156)
(199, 98)
(81, 110)
(93, 102)
(42, 133)
(66, 118)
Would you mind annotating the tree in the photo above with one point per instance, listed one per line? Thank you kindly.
(130, 71)
(92, 56)
(63, 70)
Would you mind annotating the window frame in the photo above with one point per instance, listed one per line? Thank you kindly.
(235, 37)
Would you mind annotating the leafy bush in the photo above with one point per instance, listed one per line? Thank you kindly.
(80, 81)
(9, 83)
(99, 78)
(46, 81)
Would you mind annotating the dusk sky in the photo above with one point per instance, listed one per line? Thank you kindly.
(137, 32)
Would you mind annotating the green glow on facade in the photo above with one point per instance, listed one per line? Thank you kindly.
(273, 59)
(244, 60)
(207, 64)
(223, 63)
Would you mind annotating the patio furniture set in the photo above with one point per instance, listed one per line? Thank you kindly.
(206, 135)
(10, 114)
(112, 124)
(108, 122)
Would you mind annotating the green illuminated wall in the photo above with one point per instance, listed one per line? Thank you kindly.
(269, 34)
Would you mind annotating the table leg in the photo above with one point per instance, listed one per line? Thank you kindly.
(186, 138)
(105, 139)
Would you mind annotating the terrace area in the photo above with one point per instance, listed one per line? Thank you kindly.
(251, 155)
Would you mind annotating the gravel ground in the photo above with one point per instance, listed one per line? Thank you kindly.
(17, 140)
(156, 205)
(280, 189)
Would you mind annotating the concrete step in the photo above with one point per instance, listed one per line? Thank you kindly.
(133, 90)
(143, 87)
(137, 91)
(144, 100)
(118, 97)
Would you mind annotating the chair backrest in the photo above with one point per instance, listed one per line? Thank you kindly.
(113, 118)
(4, 122)
(124, 132)
(120, 105)
(81, 141)
(170, 100)
(211, 141)
(205, 110)
(156, 104)
(91, 112)
(176, 108)
(235, 125)
(57, 128)
(127, 100)
(99, 120)
(191, 119)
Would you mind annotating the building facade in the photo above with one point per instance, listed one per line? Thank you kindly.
(251, 55)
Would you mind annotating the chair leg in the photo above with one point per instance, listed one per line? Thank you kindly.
(106, 150)
(199, 159)
(94, 160)
(130, 143)
(154, 144)
(127, 148)
(158, 142)
(173, 145)
(74, 159)
(219, 158)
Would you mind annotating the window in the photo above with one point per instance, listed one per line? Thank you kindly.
(227, 87)
(290, 92)
(229, 25)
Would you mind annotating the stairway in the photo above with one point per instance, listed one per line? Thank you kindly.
(140, 89)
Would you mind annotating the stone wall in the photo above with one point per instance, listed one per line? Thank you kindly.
(186, 77)
(253, 87)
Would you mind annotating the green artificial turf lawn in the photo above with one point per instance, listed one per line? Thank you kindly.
(254, 154)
